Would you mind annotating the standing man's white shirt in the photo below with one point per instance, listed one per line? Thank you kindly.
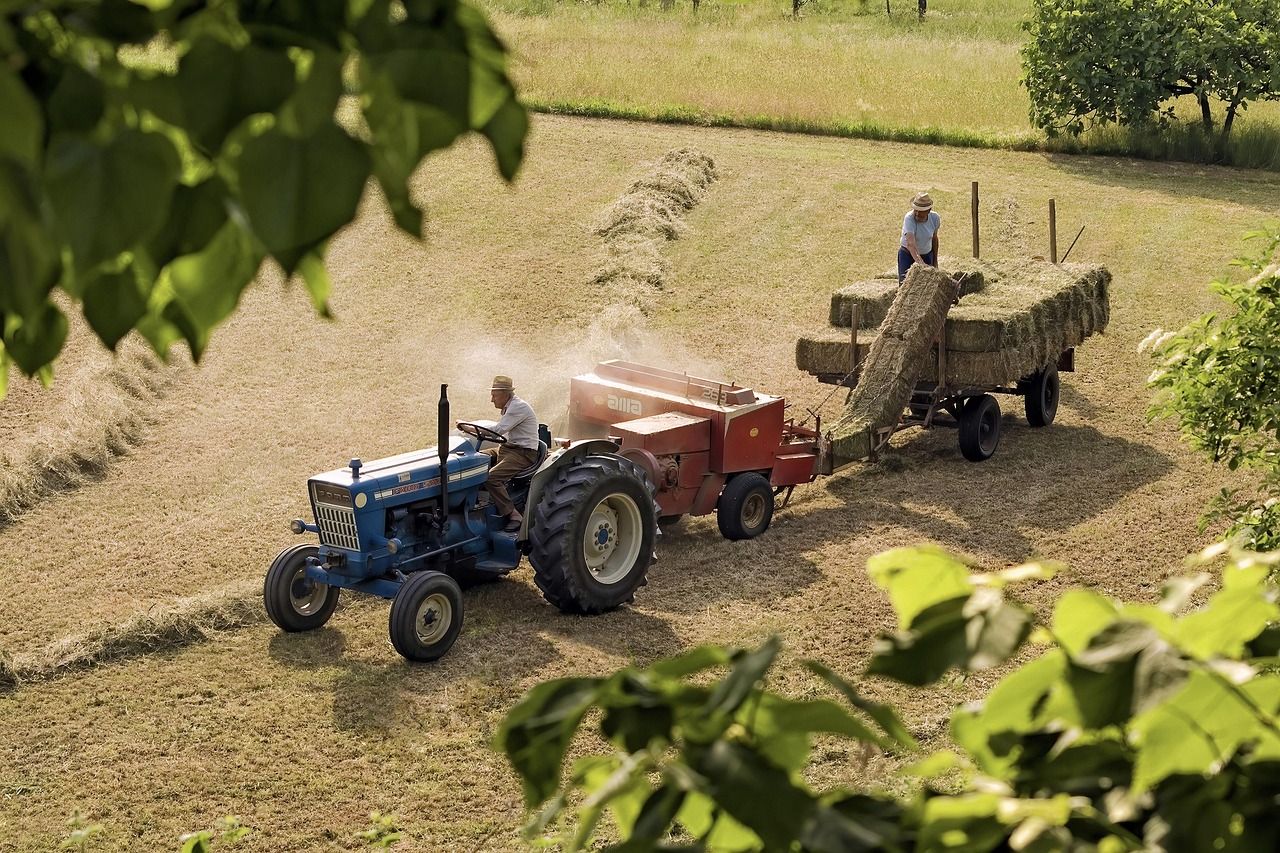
(519, 424)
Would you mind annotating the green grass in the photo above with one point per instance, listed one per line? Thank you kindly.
(843, 70)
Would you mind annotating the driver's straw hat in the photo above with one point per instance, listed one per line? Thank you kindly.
(502, 383)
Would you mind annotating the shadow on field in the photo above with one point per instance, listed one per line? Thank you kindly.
(510, 634)
(1039, 480)
(1217, 183)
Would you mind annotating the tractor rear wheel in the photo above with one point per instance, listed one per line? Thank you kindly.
(592, 534)
(426, 616)
(294, 601)
(745, 507)
(1040, 396)
(980, 428)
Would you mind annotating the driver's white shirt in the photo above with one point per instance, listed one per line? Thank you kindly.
(519, 424)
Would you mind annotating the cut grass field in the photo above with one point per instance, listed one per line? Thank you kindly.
(951, 80)
(303, 735)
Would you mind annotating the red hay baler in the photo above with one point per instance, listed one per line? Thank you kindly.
(707, 445)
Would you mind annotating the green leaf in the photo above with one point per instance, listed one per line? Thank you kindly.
(996, 629)
(313, 103)
(506, 131)
(77, 102)
(1078, 616)
(690, 662)
(317, 280)
(29, 261)
(195, 215)
(22, 130)
(850, 829)
(32, 344)
(111, 197)
(748, 670)
(919, 578)
(1233, 617)
(536, 732)
(963, 823)
(113, 304)
(755, 792)
(653, 822)
(1015, 703)
(774, 714)
(207, 285)
(884, 715)
(298, 192)
(217, 87)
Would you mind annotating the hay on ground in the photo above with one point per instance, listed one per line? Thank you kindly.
(188, 621)
(103, 416)
(900, 352)
(637, 225)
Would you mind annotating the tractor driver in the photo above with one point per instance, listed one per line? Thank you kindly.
(520, 426)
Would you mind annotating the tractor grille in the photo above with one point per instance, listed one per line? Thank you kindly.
(337, 522)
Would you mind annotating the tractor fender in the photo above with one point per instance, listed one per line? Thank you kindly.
(554, 461)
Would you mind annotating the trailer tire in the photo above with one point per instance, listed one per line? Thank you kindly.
(592, 534)
(1040, 396)
(745, 507)
(426, 616)
(980, 428)
(293, 601)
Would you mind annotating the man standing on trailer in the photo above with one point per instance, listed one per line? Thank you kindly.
(919, 242)
(520, 427)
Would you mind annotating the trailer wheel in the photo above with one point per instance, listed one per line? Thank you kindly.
(980, 428)
(293, 601)
(592, 534)
(426, 616)
(1040, 395)
(745, 507)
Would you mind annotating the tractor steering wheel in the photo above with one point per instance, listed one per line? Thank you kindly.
(482, 432)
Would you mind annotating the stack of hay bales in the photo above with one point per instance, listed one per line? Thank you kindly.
(900, 352)
(1013, 319)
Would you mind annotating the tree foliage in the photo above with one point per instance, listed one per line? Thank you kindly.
(1220, 377)
(154, 152)
(1135, 727)
(1127, 61)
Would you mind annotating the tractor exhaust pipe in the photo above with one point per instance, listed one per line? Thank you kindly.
(442, 450)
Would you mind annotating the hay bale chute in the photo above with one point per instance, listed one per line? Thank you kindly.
(900, 352)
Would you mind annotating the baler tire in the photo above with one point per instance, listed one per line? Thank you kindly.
(424, 598)
(617, 497)
(293, 602)
(1040, 396)
(745, 507)
(980, 428)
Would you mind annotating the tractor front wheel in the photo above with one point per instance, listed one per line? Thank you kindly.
(745, 507)
(294, 601)
(426, 616)
(591, 536)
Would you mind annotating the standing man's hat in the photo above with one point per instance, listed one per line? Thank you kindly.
(922, 201)
(502, 383)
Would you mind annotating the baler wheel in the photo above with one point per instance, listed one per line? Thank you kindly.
(426, 616)
(592, 534)
(745, 507)
(980, 428)
(293, 601)
(1040, 396)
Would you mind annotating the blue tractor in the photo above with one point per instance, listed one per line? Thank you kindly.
(399, 529)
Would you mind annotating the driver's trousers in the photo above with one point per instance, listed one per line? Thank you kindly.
(511, 460)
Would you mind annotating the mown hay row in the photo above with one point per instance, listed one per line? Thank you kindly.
(103, 415)
(899, 354)
(636, 227)
(187, 621)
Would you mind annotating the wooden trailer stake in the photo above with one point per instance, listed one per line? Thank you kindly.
(1053, 233)
(973, 210)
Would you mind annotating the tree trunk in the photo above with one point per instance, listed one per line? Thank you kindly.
(924, 7)
(1206, 117)
(1227, 120)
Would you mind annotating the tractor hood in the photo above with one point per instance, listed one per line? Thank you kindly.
(408, 477)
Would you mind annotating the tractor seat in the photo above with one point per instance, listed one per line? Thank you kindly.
(543, 450)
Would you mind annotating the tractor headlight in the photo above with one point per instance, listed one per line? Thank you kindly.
(298, 526)
(393, 546)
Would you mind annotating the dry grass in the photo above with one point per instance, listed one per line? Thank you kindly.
(99, 411)
(302, 735)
